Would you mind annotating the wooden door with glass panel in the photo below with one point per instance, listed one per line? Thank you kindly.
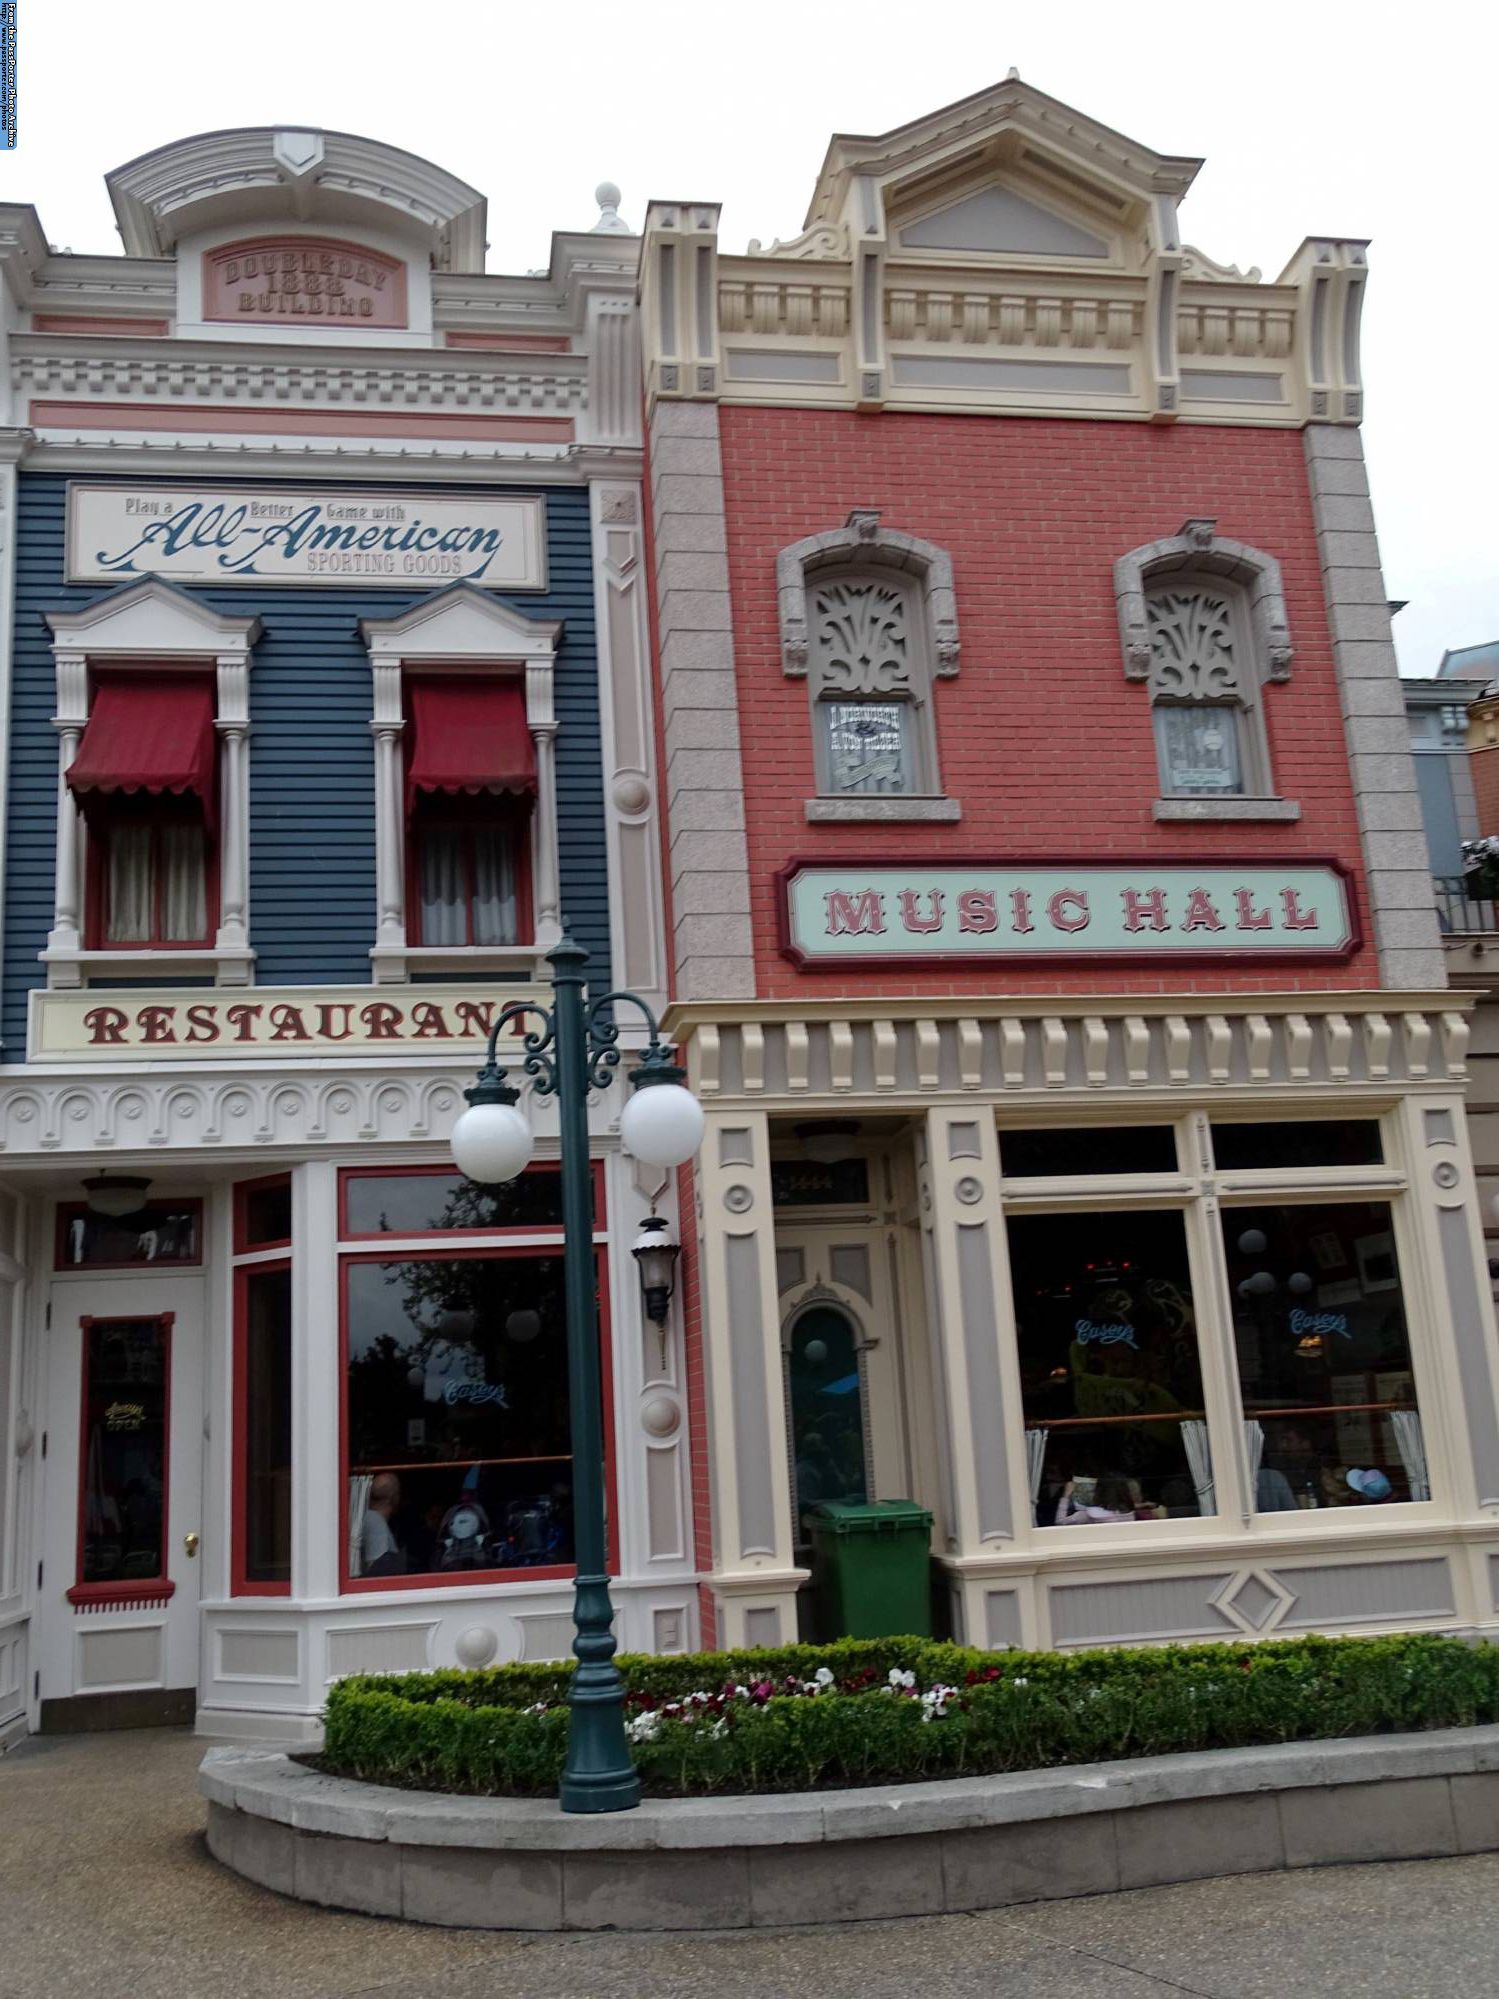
(123, 1472)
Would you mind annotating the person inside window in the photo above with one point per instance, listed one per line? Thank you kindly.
(380, 1552)
(1113, 1499)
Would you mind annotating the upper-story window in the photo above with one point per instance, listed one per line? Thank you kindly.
(466, 802)
(152, 854)
(1203, 620)
(145, 779)
(871, 703)
(869, 618)
(1208, 728)
(471, 793)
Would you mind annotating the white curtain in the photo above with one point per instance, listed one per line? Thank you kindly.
(184, 897)
(1200, 1464)
(136, 850)
(1411, 1445)
(130, 897)
(443, 886)
(1254, 1446)
(1035, 1457)
(494, 886)
(359, 1500)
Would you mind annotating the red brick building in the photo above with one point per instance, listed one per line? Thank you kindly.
(1052, 921)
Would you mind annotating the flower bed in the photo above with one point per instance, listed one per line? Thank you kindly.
(898, 1710)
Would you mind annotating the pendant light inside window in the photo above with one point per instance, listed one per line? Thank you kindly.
(115, 1195)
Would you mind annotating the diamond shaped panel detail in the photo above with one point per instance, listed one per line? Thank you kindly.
(1256, 1601)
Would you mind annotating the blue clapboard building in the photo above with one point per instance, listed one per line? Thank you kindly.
(322, 625)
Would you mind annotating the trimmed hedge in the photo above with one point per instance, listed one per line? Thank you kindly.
(504, 1732)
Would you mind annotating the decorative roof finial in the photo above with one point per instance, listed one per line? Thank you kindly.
(610, 222)
(1012, 75)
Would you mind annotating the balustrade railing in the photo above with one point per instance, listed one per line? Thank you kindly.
(1460, 913)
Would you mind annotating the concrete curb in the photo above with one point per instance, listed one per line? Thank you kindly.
(911, 1849)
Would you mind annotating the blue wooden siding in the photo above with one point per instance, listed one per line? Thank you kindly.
(312, 826)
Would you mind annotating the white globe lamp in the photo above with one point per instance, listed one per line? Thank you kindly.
(663, 1123)
(492, 1143)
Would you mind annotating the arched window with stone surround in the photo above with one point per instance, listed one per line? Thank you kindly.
(868, 618)
(1203, 620)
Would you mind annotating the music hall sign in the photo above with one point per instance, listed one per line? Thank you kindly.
(837, 914)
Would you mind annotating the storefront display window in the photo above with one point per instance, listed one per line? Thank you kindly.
(1110, 1376)
(123, 1523)
(427, 1203)
(458, 1451)
(263, 1481)
(1324, 1357)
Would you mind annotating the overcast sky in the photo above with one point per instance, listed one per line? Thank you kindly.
(1314, 119)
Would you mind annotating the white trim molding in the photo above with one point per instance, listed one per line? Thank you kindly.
(141, 627)
(460, 628)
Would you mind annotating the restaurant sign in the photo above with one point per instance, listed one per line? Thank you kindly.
(394, 541)
(265, 1023)
(846, 913)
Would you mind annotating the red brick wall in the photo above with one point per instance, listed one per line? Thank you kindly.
(1485, 767)
(1041, 737)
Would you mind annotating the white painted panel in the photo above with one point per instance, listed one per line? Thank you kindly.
(120, 1658)
(378, 1648)
(255, 1654)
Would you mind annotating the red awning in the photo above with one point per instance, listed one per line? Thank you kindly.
(152, 733)
(468, 735)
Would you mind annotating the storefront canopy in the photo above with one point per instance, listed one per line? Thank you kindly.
(469, 736)
(150, 733)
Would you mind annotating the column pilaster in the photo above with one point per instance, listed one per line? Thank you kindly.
(755, 1576)
(978, 1377)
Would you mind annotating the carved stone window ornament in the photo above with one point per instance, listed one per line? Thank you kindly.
(1203, 620)
(868, 617)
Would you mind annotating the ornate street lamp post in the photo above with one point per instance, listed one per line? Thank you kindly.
(574, 1049)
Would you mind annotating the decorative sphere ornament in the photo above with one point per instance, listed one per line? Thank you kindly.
(1299, 1282)
(816, 1351)
(1252, 1242)
(492, 1143)
(477, 1646)
(662, 1124)
(659, 1416)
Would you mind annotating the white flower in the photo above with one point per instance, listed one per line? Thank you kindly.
(1020, 1683)
(824, 1676)
(643, 1727)
(900, 1680)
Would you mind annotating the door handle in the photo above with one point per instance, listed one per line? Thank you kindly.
(190, 1542)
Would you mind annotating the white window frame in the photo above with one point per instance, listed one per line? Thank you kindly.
(864, 552)
(1250, 582)
(143, 627)
(460, 630)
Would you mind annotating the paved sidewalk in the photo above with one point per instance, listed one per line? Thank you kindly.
(107, 1891)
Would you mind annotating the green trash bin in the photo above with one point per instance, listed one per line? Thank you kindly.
(870, 1568)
